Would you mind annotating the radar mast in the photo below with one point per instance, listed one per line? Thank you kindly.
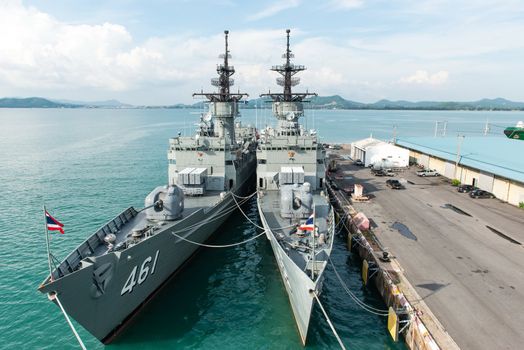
(224, 81)
(287, 80)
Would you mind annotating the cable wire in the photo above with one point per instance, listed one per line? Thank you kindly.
(360, 303)
(315, 294)
(258, 226)
(218, 245)
(69, 322)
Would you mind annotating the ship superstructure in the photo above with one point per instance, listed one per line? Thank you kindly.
(293, 207)
(113, 273)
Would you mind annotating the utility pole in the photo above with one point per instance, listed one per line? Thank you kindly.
(460, 139)
(394, 134)
(486, 128)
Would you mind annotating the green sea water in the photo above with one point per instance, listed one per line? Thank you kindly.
(88, 165)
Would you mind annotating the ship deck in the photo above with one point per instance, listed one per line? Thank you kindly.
(123, 226)
(140, 221)
(297, 246)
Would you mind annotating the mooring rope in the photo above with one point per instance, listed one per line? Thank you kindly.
(211, 219)
(248, 219)
(329, 321)
(256, 225)
(238, 205)
(245, 199)
(70, 324)
(360, 303)
(218, 245)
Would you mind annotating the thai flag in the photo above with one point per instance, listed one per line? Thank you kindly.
(308, 225)
(53, 224)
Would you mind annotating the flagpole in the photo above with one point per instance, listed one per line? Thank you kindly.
(313, 250)
(47, 244)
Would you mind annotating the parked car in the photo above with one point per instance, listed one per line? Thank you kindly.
(389, 172)
(382, 172)
(427, 172)
(394, 184)
(481, 194)
(466, 188)
(358, 162)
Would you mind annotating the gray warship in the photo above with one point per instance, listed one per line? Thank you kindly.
(113, 273)
(295, 212)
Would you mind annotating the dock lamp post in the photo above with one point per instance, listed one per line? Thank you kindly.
(460, 139)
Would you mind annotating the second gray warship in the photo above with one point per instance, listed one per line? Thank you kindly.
(295, 212)
(109, 276)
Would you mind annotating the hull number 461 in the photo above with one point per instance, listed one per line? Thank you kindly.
(143, 273)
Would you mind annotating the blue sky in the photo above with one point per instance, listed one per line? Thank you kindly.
(159, 52)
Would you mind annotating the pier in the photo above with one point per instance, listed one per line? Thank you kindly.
(454, 271)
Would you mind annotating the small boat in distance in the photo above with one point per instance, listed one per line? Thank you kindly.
(515, 132)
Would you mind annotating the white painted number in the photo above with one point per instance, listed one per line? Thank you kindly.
(144, 269)
(130, 283)
(142, 276)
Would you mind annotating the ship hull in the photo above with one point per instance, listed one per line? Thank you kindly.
(137, 272)
(299, 287)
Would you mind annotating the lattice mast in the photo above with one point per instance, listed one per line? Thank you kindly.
(224, 81)
(223, 104)
(288, 79)
(287, 105)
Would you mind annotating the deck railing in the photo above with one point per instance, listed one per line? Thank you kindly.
(88, 248)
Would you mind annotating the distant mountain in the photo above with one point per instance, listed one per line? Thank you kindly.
(337, 102)
(334, 102)
(317, 102)
(484, 104)
(498, 103)
(33, 102)
(96, 104)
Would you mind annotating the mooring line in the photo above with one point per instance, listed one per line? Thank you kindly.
(360, 303)
(70, 324)
(329, 321)
(218, 245)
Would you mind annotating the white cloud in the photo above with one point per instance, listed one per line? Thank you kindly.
(44, 56)
(44, 52)
(273, 9)
(50, 58)
(347, 4)
(423, 77)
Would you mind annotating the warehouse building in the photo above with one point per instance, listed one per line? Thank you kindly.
(494, 164)
(375, 152)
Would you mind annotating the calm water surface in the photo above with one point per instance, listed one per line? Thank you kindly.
(88, 165)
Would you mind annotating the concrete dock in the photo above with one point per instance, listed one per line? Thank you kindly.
(464, 257)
